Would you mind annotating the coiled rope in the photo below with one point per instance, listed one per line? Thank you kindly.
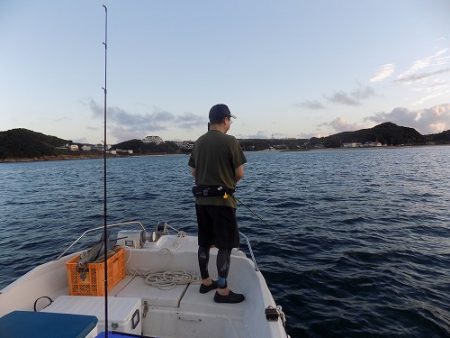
(169, 279)
(166, 280)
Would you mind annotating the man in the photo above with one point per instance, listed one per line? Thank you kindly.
(217, 163)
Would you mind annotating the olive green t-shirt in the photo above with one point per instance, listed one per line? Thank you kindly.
(215, 157)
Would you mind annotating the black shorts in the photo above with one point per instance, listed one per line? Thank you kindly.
(217, 226)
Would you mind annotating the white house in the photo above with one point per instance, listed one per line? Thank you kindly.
(352, 145)
(373, 144)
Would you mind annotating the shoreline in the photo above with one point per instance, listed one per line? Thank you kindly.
(99, 156)
(50, 158)
(72, 157)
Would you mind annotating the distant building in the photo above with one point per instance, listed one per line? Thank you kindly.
(352, 145)
(124, 151)
(100, 147)
(362, 145)
(153, 139)
(74, 147)
(86, 148)
(184, 145)
(373, 144)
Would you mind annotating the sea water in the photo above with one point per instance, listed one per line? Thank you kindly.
(354, 242)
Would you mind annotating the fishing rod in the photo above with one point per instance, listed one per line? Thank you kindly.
(105, 239)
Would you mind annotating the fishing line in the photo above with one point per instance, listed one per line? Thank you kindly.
(254, 213)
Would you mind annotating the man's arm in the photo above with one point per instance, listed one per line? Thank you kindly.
(193, 171)
(239, 172)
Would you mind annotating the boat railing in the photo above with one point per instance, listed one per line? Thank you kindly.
(250, 250)
(96, 229)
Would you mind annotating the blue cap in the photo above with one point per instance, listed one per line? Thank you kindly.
(218, 112)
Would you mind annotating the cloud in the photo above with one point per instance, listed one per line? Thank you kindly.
(426, 121)
(354, 98)
(343, 98)
(307, 136)
(311, 104)
(190, 121)
(426, 67)
(436, 84)
(122, 133)
(125, 125)
(339, 124)
(435, 59)
(416, 77)
(432, 89)
(422, 100)
(363, 93)
(81, 140)
(383, 72)
(260, 134)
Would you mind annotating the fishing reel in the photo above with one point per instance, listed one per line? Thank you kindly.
(132, 238)
(137, 238)
(161, 229)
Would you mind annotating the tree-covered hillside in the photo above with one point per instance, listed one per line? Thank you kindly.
(140, 147)
(441, 138)
(24, 143)
(386, 133)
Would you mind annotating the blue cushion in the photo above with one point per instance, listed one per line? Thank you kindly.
(27, 324)
(117, 335)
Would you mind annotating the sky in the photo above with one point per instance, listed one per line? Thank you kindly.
(286, 69)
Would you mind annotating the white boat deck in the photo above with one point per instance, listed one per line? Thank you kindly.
(176, 312)
(187, 312)
(136, 287)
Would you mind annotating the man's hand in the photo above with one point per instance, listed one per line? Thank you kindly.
(239, 173)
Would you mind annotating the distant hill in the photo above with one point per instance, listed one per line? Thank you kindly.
(262, 144)
(386, 133)
(24, 143)
(441, 138)
(140, 147)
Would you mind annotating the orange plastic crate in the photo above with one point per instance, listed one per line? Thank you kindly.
(94, 284)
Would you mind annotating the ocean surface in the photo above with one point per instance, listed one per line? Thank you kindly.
(355, 243)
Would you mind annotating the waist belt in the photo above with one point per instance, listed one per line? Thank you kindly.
(211, 191)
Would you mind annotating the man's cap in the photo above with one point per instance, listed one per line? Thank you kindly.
(218, 112)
